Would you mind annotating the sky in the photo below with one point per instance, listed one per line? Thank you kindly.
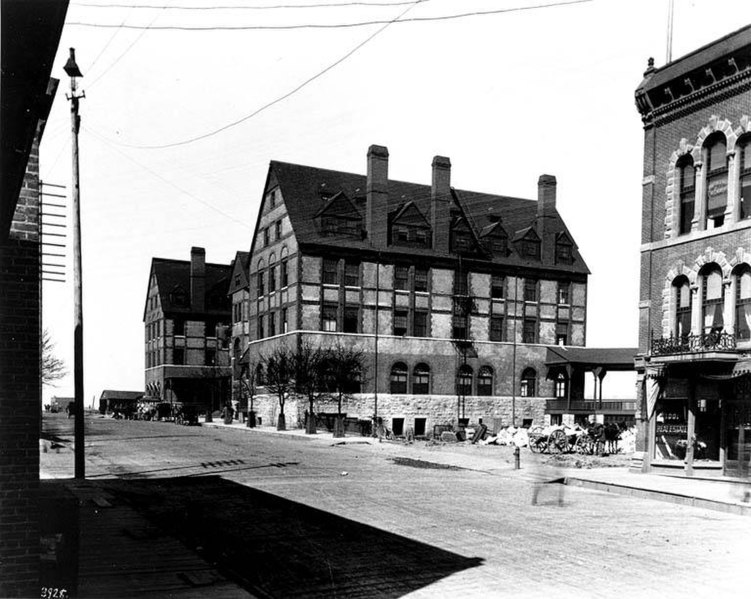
(179, 126)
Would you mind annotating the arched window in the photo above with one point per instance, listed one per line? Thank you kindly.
(744, 177)
(743, 303)
(464, 380)
(399, 378)
(561, 386)
(682, 308)
(528, 383)
(421, 379)
(713, 300)
(485, 381)
(716, 189)
(686, 191)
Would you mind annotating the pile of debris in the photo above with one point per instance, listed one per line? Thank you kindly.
(508, 435)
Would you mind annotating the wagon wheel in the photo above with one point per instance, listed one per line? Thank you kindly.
(584, 445)
(537, 444)
(558, 442)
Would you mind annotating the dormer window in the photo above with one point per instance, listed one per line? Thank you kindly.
(410, 235)
(337, 225)
(339, 216)
(564, 250)
(461, 242)
(531, 249)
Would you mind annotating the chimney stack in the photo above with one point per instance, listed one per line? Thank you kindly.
(546, 186)
(197, 279)
(440, 203)
(377, 196)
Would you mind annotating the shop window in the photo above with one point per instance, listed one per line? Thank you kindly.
(485, 381)
(717, 179)
(671, 430)
(712, 319)
(528, 383)
(464, 380)
(421, 380)
(556, 419)
(686, 192)
(743, 304)
(744, 177)
(398, 378)
(682, 308)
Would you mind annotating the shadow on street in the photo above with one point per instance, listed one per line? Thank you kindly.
(274, 547)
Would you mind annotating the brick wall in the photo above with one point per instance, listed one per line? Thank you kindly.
(20, 395)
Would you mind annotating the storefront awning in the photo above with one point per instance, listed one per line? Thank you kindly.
(740, 368)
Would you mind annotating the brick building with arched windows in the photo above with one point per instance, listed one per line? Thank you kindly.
(695, 299)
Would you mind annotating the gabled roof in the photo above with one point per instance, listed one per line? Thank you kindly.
(306, 191)
(493, 230)
(175, 274)
(110, 394)
(409, 214)
(339, 205)
(239, 272)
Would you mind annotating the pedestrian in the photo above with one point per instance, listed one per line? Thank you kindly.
(69, 409)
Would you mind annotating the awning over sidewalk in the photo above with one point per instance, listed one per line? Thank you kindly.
(740, 368)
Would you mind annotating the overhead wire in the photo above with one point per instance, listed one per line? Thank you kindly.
(333, 25)
(279, 98)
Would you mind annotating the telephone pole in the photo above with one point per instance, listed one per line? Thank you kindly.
(71, 68)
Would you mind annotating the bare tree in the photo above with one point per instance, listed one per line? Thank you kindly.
(280, 378)
(309, 378)
(53, 368)
(343, 371)
(249, 383)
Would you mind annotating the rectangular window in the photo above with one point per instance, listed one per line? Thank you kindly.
(260, 327)
(401, 277)
(420, 323)
(564, 293)
(459, 327)
(421, 279)
(530, 290)
(261, 284)
(460, 283)
(284, 320)
(272, 199)
(330, 271)
(265, 237)
(179, 327)
(178, 355)
(272, 279)
(352, 274)
(564, 253)
(284, 273)
(497, 286)
(210, 357)
(278, 231)
(496, 328)
(351, 319)
(529, 331)
(400, 323)
(328, 317)
(561, 333)
(272, 324)
(531, 249)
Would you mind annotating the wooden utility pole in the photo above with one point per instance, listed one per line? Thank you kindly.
(71, 68)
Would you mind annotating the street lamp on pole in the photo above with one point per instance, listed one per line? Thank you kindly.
(71, 68)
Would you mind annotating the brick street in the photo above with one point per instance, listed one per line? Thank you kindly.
(293, 517)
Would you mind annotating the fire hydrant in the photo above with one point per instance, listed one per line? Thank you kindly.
(516, 457)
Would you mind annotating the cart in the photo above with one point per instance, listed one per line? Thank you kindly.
(552, 439)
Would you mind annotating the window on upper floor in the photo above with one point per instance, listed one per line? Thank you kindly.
(529, 330)
(410, 235)
(716, 189)
(278, 230)
(461, 283)
(682, 290)
(398, 378)
(284, 271)
(331, 271)
(530, 290)
(459, 326)
(743, 303)
(341, 225)
(351, 319)
(530, 248)
(400, 322)
(179, 327)
(401, 277)
(498, 286)
(496, 328)
(561, 333)
(421, 379)
(352, 274)
(272, 198)
(178, 355)
(686, 193)
(285, 322)
(272, 324)
(272, 278)
(744, 177)
(462, 242)
(561, 386)
(329, 317)
(564, 251)
(261, 284)
(210, 357)
(420, 324)
(713, 299)
(564, 292)
(266, 236)
(421, 278)
(485, 381)
(528, 382)
(260, 328)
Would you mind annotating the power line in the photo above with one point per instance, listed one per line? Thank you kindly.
(278, 99)
(244, 7)
(332, 25)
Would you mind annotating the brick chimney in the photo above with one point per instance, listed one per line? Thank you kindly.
(197, 279)
(440, 203)
(377, 196)
(546, 190)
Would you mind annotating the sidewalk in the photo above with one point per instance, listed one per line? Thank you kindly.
(725, 494)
